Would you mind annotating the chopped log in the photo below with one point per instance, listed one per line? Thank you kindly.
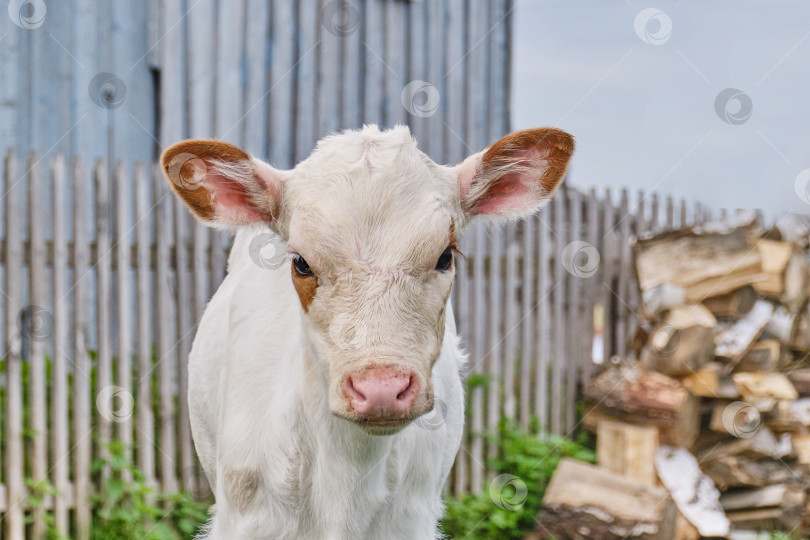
(694, 493)
(782, 325)
(682, 342)
(756, 444)
(627, 450)
(801, 380)
(783, 496)
(740, 471)
(786, 271)
(793, 416)
(734, 341)
(705, 382)
(801, 444)
(629, 393)
(694, 263)
(760, 384)
(765, 518)
(801, 333)
(732, 305)
(793, 228)
(764, 355)
(738, 418)
(587, 502)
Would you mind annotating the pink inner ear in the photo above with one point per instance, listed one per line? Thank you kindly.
(234, 204)
(507, 194)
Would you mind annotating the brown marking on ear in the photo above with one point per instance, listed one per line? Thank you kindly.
(179, 166)
(554, 144)
(305, 286)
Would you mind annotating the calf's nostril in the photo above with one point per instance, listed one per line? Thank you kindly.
(352, 390)
(406, 392)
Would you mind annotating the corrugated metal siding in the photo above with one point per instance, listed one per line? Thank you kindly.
(270, 76)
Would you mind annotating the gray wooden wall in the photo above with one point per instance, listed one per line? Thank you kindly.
(123, 79)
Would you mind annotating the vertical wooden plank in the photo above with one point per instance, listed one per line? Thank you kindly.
(684, 214)
(37, 329)
(123, 253)
(396, 49)
(497, 39)
(574, 327)
(145, 420)
(167, 360)
(610, 243)
(307, 71)
(82, 439)
(257, 68)
(655, 219)
(641, 216)
(436, 34)
(201, 281)
(103, 303)
(328, 87)
(479, 341)
(200, 59)
(495, 354)
(463, 292)
(228, 107)
(591, 291)
(417, 62)
(623, 319)
(670, 220)
(456, 137)
(558, 317)
(529, 308)
(185, 328)
(15, 488)
(282, 84)
(61, 354)
(350, 73)
(374, 44)
(541, 391)
(510, 336)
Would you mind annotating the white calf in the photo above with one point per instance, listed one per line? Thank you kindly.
(306, 377)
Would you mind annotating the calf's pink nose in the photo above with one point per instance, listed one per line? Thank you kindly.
(381, 392)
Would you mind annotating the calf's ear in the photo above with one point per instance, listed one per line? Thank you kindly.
(517, 175)
(222, 185)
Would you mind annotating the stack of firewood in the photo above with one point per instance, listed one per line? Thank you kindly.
(711, 414)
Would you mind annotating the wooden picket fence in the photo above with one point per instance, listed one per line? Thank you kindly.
(104, 279)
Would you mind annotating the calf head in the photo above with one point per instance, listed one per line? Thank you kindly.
(372, 226)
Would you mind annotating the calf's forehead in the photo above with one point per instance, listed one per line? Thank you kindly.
(370, 196)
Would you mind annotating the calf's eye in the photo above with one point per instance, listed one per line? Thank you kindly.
(445, 261)
(301, 266)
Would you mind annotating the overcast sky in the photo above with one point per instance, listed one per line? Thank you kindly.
(639, 91)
